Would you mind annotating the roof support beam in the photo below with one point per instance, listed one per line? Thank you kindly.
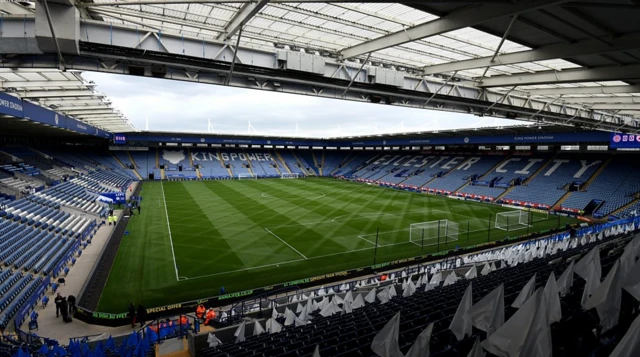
(589, 100)
(247, 11)
(44, 84)
(614, 106)
(585, 90)
(81, 107)
(585, 47)
(89, 112)
(568, 76)
(63, 102)
(59, 94)
(469, 16)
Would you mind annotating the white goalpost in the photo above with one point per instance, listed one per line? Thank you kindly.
(287, 175)
(433, 232)
(513, 220)
(247, 177)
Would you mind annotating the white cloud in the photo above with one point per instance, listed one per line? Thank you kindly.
(187, 107)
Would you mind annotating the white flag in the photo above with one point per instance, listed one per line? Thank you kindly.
(538, 341)
(409, 289)
(299, 322)
(525, 293)
(420, 348)
(461, 323)
(348, 297)
(316, 352)
(591, 259)
(358, 302)
(257, 328)
(488, 313)
(565, 282)
(508, 340)
(450, 279)
(631, 282)
(486, 269)
(273, 326)
(299, 308)
(477, 350)
(607, 299)
(289, 316)
(436, 278)
(385, 343)
(552, 296)
(371, 296)
(239, 334)
(274, 314)
(629, 346)
(213, 341)
(472, 273)
(383, 295)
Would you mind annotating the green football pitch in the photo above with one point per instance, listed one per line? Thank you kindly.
(195, 236)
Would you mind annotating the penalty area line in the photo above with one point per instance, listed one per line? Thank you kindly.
(287, 244)
(173, 253)
(365, 239)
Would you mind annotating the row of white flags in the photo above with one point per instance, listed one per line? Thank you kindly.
(528, 333)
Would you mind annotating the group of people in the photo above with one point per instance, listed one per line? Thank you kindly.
(139, 315)
(65, 306)
(206, 315)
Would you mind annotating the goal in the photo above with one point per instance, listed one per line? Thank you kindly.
(286, 175)
(247, 177)
(433, 232)
(513, 220)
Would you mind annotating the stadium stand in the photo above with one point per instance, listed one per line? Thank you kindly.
(451, 178)
(616, 186)
(339, 330)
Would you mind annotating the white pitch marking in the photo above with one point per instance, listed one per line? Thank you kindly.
(175, 265)
(288, 245)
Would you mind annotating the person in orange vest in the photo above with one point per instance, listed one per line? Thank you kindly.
(210, 316)
(184, 320)
(200, 310)
(383, 277)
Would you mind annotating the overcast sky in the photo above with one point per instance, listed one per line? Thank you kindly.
(186, 107)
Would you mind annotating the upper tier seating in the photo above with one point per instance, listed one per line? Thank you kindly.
(549, 185)
(616, 186)
(470, 169)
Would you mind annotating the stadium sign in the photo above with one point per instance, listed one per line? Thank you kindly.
(11, 105)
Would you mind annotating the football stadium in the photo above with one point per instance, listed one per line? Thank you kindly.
(463, 179)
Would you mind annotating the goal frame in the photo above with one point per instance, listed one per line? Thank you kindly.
(247, 177)
(290, 175)
(442, 230)
(512, 220)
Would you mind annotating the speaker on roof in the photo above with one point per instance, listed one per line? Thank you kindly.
(180, 168)
(511, 115)
(136, 71)
(158, 70)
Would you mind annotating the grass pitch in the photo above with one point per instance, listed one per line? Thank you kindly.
(195, 236)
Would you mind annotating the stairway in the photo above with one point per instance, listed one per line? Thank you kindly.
(346, 161)
(135, 171)
(222, 163)
(118, 160)
(198, 175)
(309, 172)
(562, 199)
(315, 162)
(284, 164)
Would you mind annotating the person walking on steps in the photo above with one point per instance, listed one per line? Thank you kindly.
(132, 314)
(58, 302)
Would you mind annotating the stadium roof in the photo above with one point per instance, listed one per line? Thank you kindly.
(65, 92)
(584, 54)
(544, 41)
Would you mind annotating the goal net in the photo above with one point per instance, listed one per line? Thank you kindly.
(247, 177)
(433, 232)
(513, 220)
(286, 175)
